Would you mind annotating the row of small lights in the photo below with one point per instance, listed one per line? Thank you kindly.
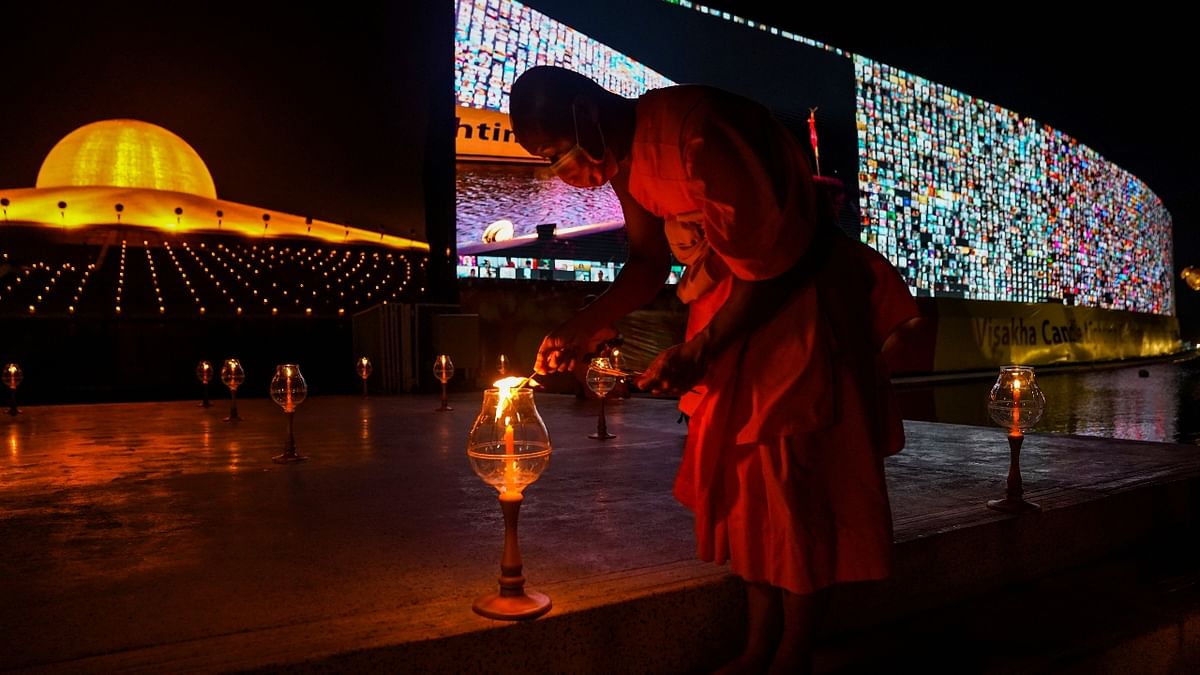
(52, 283)
(344, 268)
(120, 278)
(82, 285)
(751, 23)
(119, 208)
(183, 275)
(211, 276)
(162, 308)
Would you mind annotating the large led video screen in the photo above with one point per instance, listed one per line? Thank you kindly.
(495, 41)
(504, 194)
(970, 200)
(966, 198)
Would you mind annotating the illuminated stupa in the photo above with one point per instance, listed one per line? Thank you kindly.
(126, 153)
(133, 173)
(125, 221)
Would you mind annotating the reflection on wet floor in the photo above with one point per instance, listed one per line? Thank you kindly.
(1112, 403)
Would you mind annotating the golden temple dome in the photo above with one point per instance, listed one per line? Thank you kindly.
(126, 153)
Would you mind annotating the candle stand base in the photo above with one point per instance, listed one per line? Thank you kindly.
(527, 605)
(512, 602)
(601, 425)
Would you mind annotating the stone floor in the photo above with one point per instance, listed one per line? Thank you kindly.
(157, 537)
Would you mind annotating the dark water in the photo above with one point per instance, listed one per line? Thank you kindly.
(1113, 403)
(528, 195)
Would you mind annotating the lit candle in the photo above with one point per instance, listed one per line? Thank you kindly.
(505, 390)
(1016, 403)
(510, 459)
(287, 383)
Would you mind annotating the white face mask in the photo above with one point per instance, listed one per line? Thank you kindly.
(577, 167)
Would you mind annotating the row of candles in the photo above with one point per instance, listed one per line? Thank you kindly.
(224, 278)
(509, 446)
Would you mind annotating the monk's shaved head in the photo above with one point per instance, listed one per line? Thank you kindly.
(541, 98)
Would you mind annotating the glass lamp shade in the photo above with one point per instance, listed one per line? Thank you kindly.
(443, 369)
(288, 388)
(204, 372)
(508, 446)
(1016, 402)
(232, 374)
(616, 359)
(1191, 275)
(12, 375)
(601, 378)
(363, 367)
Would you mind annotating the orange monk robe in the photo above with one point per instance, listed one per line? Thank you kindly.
(783, 462)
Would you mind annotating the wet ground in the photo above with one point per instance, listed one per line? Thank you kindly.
(1157, 402)
(158, 537)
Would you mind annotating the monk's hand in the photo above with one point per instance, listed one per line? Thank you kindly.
(568, 344)
(676, 370)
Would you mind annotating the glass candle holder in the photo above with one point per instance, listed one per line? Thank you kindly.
(204, 373)
(1191, 276)
(232, 376)
(1016, 403)
(12, 377)
(443, 370)
(288, 390)
(363, 368)
(509, 448)
(508, 445)
(601, 378)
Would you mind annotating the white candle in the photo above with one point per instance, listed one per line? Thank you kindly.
(510, 459)
(1016, 403)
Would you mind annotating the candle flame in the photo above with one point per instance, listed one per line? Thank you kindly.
(1017, 384)
(509, 383)
(506, 387)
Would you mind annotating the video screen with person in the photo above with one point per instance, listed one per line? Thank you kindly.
(967, 199)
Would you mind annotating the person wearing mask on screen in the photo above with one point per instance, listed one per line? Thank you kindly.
(783, 370)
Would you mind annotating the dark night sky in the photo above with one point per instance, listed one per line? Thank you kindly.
(311, 110)
(298, 109)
